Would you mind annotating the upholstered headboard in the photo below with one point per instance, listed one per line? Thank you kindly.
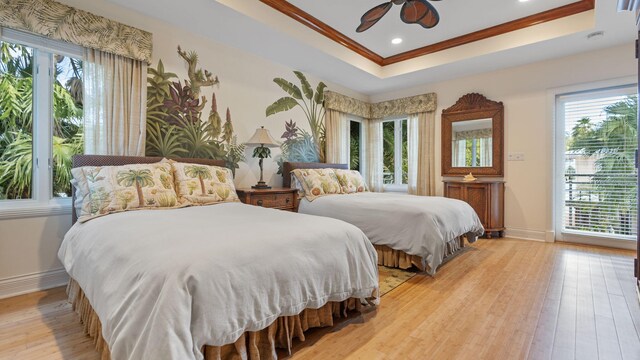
(111, 160)
(287, 167)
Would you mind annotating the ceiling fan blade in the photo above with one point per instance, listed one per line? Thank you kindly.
(419, 12)
(372, 16)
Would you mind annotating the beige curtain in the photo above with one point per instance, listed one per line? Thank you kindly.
(485, 147)
(421, 153)
(115, 94)
(373, 150)
(459, 153)
(337, 137)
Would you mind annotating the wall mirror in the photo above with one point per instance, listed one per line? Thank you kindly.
(472, 137)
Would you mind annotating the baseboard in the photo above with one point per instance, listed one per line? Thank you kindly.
(25, 284)
(525, 234)
(600, 241)
(551, 236)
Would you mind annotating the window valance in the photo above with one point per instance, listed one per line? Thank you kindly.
(62, 22)
(346, 104)
(473, 134)
(398, 107)
(404, 106)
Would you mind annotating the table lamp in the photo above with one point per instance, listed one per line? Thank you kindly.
(263, 140)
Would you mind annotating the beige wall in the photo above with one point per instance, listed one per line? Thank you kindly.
(525, 92)
(30, 245)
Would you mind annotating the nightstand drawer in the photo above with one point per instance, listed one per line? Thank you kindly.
(273, 200)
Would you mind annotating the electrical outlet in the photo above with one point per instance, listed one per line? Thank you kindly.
(515, 157)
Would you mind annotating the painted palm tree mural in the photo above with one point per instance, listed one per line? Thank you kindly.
(300, 145)
(139, 178)
(179, 122)
(199, 172)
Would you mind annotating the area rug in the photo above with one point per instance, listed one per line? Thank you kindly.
(391, 278)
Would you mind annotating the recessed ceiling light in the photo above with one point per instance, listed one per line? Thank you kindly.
(523, 0)
(396, 41)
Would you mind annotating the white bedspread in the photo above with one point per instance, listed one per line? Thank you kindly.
(166, 282)
(417, 225)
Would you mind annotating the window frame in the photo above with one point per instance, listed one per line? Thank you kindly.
(397, 186)
(42, 202)
(559, 159)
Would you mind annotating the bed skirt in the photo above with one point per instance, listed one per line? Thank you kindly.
(399, 259)
(252, 345)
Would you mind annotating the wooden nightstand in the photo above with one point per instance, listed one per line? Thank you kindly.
(275, 198)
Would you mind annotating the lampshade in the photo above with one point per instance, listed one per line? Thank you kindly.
(262, 137)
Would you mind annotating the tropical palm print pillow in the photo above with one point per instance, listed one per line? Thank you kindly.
(202, 184)
(318, 182)
(351, 181)
(79, 182)
(128, 187)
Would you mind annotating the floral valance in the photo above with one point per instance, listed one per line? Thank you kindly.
(398, 107)
(62, 22)
(404, 106)
(346, 104)
(473, 134)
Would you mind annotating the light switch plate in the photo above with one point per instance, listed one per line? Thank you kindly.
(515, 157)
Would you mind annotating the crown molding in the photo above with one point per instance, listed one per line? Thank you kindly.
(315, 24)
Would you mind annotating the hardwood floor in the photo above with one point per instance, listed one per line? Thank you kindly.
(501, 299)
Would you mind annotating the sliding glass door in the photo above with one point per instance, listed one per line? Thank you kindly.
(597, 180)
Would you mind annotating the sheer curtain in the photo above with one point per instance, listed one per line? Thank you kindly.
(337, 137)
(421, 153)
(373, 150)
(115, 100)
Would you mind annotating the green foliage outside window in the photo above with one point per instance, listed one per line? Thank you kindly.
(16, 121)
(606, 200)
(388, 152)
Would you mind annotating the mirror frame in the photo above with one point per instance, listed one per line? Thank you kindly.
(474, 106)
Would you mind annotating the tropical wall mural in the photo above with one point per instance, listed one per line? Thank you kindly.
(181, 123)
(300, 145)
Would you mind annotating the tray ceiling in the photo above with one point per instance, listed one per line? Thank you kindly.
(460, 23)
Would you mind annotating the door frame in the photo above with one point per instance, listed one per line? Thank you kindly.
(558, 167)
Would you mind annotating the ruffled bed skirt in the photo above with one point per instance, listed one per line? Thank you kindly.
(252, 345)
(400, 259)
(397, 259)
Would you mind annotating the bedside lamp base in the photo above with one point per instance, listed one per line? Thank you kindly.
(261, 185)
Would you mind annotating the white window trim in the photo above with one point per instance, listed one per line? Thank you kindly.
(554, 219)
(397, 186)
(42, 202)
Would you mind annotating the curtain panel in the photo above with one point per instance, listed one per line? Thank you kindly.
(115, 96)
(62, 22)
(337, 137)
(421, 153)
(374, 153)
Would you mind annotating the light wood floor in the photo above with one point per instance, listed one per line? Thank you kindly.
(502, 299)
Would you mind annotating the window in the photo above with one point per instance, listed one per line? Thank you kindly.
(40, 117)
(355, 145)
(597, 179)
(394, 154)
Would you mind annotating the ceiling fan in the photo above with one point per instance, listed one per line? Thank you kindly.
(413, 12)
